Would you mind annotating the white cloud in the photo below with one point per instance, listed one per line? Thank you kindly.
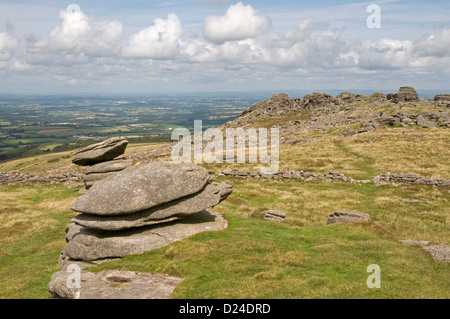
(159, 41)
(239, 23)
(8, 46)
(386, 54)
(83, 53)
(19, 66)
(434, 45)
(79, 34)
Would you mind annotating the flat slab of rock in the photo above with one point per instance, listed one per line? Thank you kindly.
(115, 165)
(101, 152)
(112, 284)
(348, 217)
(209, 197)
(141, 187)
(84, 243)
(274, 215)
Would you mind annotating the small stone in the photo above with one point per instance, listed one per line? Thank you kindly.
(348, 217)
(274, 215)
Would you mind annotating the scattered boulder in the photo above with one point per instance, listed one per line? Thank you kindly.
(425, 123)
(440, 253)
(348, 217)
(112, 284)
(101, 152)
(406, 94)
(274, 215)
(368, 127)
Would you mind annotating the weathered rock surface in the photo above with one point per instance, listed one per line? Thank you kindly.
(442, 97)
(413, 242)
(112, 284)
(425, 123)
(406, 94)
(101, 152)
(15, 178)
(84, 243)
(348, 217)
(209, 197)
(91, 179)
(142, 187)
(274, 215)
(413, 178)
(114, 165)
(440, 253)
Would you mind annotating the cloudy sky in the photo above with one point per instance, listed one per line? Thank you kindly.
(171, 46)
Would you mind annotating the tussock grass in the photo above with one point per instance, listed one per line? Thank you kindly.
(32, 223)
(253, 258)
(305, 257)
(366, 155)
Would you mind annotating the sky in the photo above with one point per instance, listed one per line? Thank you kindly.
(177, 46)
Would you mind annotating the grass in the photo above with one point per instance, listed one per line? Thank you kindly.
(254, 258)
(301, 258)
(58, 160)
(32, 223)
(366, 155)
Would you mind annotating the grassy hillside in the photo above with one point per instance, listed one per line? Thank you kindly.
(254, 258)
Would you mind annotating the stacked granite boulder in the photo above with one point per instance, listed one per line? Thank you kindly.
(406, 94)
(141, 208)
(102, 159)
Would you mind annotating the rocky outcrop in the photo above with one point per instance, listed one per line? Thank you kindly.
(406, 94)
(442, 97)
(142, 208)
(348, 217)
